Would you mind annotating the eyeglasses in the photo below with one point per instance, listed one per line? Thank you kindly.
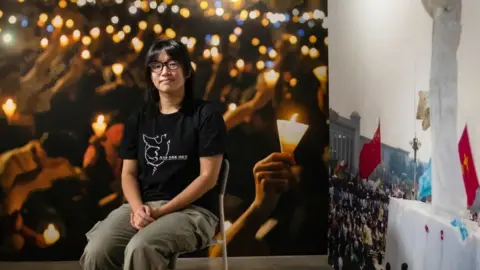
(157, 67)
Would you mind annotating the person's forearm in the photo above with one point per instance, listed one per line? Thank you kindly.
(131, 190)
(193, 192)
(244, 228)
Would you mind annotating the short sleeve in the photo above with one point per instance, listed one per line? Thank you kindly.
(129, 143)
(212, 134)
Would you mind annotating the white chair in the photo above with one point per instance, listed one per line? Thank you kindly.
(223, 178)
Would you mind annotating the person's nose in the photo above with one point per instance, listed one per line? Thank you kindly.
(164, 70)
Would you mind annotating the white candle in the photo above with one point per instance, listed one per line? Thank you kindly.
(290, 133)
(99, 126)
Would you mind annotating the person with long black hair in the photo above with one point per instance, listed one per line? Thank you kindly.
(172, 151)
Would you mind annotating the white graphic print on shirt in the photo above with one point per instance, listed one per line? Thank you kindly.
(153, 145)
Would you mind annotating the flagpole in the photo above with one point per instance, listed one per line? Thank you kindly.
(415, 145)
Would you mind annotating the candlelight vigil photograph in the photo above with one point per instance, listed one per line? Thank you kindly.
(136, 132)
(404, 134)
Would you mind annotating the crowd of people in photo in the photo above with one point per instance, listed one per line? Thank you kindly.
(358, 223)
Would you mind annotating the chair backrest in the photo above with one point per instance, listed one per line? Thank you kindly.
(223, 177)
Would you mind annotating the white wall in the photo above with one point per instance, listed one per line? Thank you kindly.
(378, 51)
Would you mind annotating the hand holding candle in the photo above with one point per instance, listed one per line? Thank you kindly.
(99, 126)
(290, 133)
(271, 78)
(9, 108)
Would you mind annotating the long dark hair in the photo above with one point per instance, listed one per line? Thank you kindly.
(178, 52)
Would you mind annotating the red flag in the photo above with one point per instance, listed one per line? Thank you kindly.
(370, 155)
(469, 173)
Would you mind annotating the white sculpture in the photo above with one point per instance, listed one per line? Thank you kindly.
(448, 192)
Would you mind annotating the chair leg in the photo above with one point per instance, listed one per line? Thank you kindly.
(173, 262)
(224, 238)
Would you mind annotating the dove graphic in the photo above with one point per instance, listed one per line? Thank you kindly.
(153, 145)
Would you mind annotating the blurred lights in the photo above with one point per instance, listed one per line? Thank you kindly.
(262, 49)
(219, 11)
(95, 32)
(110, 29)
(76, 35)
(86, 40)
(44, 43)
(127, 29)
(170, 33)
(64, 41)
(215, 40)
(114, 19)
(62, 4)
(132, 10)
(7, 38)
(69, 23)
(157, 28)
(57, 22)
(86, 54)
(12, 19)
(142, 25)
(260, 65)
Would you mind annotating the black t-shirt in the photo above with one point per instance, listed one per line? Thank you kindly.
(168, 148)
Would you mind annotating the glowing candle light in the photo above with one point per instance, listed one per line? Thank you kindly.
(86, 40)
(64, 41)
(76, 35)
(95, 32)
(170, 33)
(314, 53)
(232, 107)
(69, 23)
(9, 108)
(290, 133)
(44, 43)
(57, 22)
(271, 77)
(51, 234)
(321, 73)
(127, 29)
(293, 39)
(86, 54)
(137, 44)
(215, 41)
(142, 25)
(206, 53)
(260, 65)
(194, 66)
(110, 29)
(157, 28)
(99, 126)
(117, 69)
(240, 64)
(305, 50)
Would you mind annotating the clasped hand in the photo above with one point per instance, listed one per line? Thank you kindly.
(144, 215)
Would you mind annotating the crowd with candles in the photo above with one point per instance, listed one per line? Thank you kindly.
(74, 72)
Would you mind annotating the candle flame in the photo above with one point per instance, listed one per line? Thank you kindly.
(294, 117)
(9, 107)
(101, 119)
(117, 69)
(51, 234)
